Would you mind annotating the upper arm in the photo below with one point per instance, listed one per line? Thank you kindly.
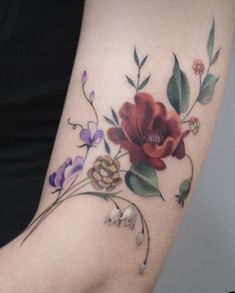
(137, 164)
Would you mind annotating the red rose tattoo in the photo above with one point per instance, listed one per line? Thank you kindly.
(146, 131)
(149, 132)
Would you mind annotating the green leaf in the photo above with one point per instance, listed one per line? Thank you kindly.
(131, 82)
(207, 89)
(210, 42)
(142, 179)
(110, 121)
(115, 117)
(136, 58)
(143, 83)
(178, 89)
(214, 59)
(143, 61)
(184, 191)
(107, 147)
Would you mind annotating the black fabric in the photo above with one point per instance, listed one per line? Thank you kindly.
(38, 41)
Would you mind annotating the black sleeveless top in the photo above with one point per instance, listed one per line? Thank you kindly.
(38, 40)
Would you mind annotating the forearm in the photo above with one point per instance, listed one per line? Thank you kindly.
(154, 157)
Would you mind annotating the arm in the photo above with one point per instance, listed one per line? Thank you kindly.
(112, 194)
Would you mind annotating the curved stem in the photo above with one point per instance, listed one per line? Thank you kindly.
(44, 212)
(74, 125)
(114, 202)
(91, 103)
(41, 220)
(79, 187)
(49, 210)
(191, 162)
(190, 110)
(122, 155)
(118, 152)
(138, 80)
(208, 69)
(144, 223)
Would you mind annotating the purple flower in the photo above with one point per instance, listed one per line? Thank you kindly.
(92, 135)
(84, 77)
(68, 170)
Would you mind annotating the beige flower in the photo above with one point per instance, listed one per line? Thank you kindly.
(105, 173)
(129, 216)
(114, 217)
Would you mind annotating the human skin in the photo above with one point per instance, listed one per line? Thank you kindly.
(72, 250)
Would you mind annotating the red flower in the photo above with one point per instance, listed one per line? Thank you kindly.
(148, 132)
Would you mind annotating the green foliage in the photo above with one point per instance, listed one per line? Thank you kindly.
(106, 146)
(115, 116)
(142, 180)
(130, 81)
(178, 89)
(143, 83)
(215, 58)
(210, 42)
(143, 61)
(136, 58)
(207, 89)
(110, 121)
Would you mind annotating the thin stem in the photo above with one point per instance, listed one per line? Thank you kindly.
(118, 152)
(190, 110)
(41, 220)
(122, 155)
(138, 79)
(115, 203)
(48, 211)
(143, 222)
(208, 69)
(42, 213)
(191, 163)
(91, 103)
(85, 184)
(74, 125)
(77, 184)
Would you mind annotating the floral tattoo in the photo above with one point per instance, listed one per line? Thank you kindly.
(145, 130)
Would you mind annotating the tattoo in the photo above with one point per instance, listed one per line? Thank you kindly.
(143, 130)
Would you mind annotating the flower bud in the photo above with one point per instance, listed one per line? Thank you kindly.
(140, 238)
(114, 217)
(129, 217)
(194, 124)
(142, 267)
(198, 66)
(84, 77)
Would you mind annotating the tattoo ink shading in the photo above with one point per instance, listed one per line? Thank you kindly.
(147, 132)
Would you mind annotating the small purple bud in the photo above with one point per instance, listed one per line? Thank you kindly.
(84, 77)
(92, 96)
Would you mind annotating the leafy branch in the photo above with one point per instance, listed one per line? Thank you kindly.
(138, 85)
(207, 85)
